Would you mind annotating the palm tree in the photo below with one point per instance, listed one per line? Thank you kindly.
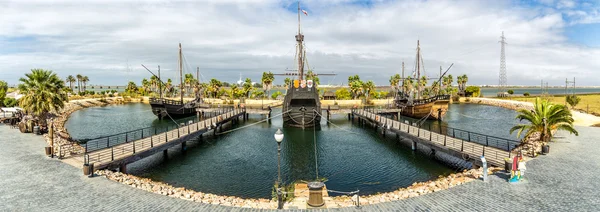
(214, 86)
(248, 87)
(267, 81)
(146, 85)
(356, 87)
(287, 81)
(408, 85)
(310, 75)
(449, 81)
(545, 118)
(43, 92)
(79, 78)
(368, 87)
(188, 80)
(71, 80)
(131, 88)
(435, 88)
(154, 83)
(169, 87)
(422, 83)
(84, 80)
(394, 81)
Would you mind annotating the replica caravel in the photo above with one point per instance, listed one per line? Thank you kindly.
(163, 107)
(301, 105)
(412, 102)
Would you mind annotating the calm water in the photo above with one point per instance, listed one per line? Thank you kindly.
(244, 162)
(491, 92)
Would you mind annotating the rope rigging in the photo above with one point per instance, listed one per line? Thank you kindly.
(261, 121)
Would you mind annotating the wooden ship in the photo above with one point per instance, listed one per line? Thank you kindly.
(301, 105)
(412, 104)
(163, 107)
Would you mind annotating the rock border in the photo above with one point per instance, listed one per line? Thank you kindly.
(416, 189)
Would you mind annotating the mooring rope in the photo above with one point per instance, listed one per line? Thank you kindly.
(335, 125)
(261, 121)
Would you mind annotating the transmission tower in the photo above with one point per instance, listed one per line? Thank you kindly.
(502, 81)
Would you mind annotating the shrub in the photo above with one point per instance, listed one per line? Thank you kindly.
(573, 100)
(10, 102)
(474, 91)
(511, 92)
(526, 94)
(343, 94)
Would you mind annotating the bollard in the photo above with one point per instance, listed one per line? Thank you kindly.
(414, 145)
(485, 174)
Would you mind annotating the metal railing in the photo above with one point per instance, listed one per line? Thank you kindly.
(460, 140)
(117, 151)
(125, 137)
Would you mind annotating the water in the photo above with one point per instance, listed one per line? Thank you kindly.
(244, 163)
(492, 92)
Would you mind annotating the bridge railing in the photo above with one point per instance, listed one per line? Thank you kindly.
(125, 137)
(485, 140)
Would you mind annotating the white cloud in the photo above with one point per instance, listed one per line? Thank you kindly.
(224, 38)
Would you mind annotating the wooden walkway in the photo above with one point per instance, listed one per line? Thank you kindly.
(117, 155)
(459, 143)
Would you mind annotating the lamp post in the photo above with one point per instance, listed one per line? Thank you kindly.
(279, 138)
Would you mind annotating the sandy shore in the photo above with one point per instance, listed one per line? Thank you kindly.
(581, 119)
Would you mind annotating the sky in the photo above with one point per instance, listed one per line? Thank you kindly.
(108, 40)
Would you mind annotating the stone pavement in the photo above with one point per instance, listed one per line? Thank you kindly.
(564, 180)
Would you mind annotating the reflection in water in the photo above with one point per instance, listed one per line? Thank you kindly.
(244, 162)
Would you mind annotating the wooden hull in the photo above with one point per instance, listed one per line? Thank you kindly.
(434, 110)
(301, 108)
(163, 109)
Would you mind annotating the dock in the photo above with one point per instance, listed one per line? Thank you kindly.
(469, 146)
(117, 151)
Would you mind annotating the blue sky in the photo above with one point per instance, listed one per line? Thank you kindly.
(108, 40)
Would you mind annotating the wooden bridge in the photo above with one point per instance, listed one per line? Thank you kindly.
(459, 143)
(116, 151)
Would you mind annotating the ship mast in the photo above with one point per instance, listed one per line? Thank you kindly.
(180, 73)
(418, 69)
(300, 55)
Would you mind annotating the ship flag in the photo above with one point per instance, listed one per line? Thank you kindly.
(305, 13)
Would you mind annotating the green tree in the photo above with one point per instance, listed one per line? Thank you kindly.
(526, 94)
(511, 92)
(71, 80)
(394, 82)
(462, 82)
(422, 83)
(10, 102)
(276, 94)
(84, 80)
(545, 118)
(79, 78)
(131, 88)
(310, 75)
(353, 79)
(573, 100)
(287, 82)
(3, 90)
(356, 88)
(474, 90)
(42, 93)
(248, 87)
(343, 94)
(214, 87)
(368, 87)
(267, 81)
(435, 88)
(408, 85)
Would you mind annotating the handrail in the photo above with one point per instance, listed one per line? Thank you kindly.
(469, 135)
(116, 139)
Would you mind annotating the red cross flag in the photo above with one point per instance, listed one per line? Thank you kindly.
(305, 13)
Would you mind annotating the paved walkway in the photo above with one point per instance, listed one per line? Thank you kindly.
(563, 180)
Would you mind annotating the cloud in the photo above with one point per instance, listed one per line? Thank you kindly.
(101, 39)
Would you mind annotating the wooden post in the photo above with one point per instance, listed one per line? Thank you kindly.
(123, 168)
(51, 136)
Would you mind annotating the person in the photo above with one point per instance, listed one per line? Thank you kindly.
(522, 167)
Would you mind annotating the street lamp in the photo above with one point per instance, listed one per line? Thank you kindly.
(279, 138)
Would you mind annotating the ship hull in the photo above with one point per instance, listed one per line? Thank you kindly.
(301, 108)
(433, 108)
(165, 108)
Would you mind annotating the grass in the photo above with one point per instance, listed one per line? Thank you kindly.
(589, 103)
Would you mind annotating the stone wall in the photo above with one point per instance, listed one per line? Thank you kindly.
(509, 104)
